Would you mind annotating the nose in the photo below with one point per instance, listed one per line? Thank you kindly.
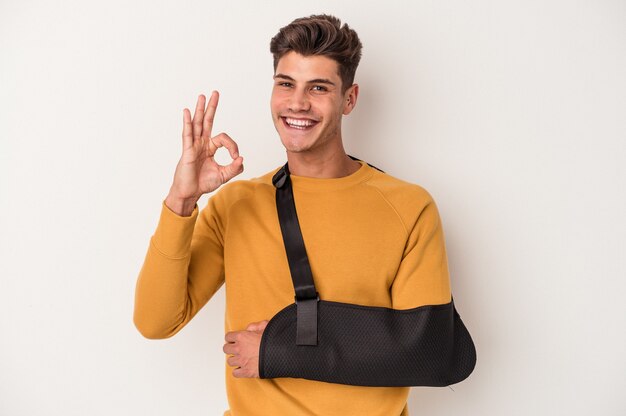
(299, 101)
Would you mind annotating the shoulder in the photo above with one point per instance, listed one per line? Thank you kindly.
(399, 192)
(408, 200)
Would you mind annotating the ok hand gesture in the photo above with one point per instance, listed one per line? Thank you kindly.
(197, 172)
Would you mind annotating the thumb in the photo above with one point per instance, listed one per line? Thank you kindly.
(257, 326)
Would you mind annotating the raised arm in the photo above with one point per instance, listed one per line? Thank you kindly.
(184, 266)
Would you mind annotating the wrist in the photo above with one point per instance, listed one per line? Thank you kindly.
(181, 206)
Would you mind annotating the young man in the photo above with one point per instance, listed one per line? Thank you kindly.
(371, 239)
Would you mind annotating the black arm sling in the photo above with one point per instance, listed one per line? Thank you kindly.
(352, 344)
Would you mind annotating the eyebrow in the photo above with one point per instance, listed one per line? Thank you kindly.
(313, 81)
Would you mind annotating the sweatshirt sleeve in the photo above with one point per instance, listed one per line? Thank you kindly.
(423, 277)
(182, 270)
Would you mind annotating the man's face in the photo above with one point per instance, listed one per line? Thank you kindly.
(307, 103)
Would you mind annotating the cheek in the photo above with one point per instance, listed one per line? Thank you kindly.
(274, 107)
(276, 102)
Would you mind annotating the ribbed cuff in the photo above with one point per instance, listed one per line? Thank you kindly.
(173, 233)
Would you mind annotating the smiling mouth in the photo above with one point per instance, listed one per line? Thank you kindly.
(299, 123)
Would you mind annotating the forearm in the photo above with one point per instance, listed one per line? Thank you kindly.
(427, 346)
(183, 268)
(161, 294)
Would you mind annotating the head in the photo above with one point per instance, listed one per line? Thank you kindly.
(320, 35)
(315, 60)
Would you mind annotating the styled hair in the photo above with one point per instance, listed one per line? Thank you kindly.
(320, 35)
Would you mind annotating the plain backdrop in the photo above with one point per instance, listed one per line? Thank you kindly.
(510, 113)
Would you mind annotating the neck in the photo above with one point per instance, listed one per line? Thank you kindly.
(329, 165)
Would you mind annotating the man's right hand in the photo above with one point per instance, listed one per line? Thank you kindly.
(197, 172)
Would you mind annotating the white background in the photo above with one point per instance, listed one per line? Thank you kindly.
(511, 113)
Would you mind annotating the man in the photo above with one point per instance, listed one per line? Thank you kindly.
(371, 239)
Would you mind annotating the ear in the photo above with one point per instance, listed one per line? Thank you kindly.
(349, 98)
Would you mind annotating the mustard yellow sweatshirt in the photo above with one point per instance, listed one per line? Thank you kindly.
(371, 239)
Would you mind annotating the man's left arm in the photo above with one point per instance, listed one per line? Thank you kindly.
(422, 279)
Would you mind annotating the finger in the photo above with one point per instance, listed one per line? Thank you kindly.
(240, 372)
(187, 130)
(233, 169)
(209, 115)
(231, 336)
(229, 349)
(257, 326)
(224, 140)
(197, 117)
(232, 361)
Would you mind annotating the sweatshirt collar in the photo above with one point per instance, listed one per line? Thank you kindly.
(332, 184)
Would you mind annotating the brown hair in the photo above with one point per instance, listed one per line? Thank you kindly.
(320, 35)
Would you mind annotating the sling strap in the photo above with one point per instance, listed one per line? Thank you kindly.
(306, 297)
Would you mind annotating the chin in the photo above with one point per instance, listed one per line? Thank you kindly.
(295, 144)
(292, 147)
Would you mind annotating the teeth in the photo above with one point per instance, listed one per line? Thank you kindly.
(299, 123)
